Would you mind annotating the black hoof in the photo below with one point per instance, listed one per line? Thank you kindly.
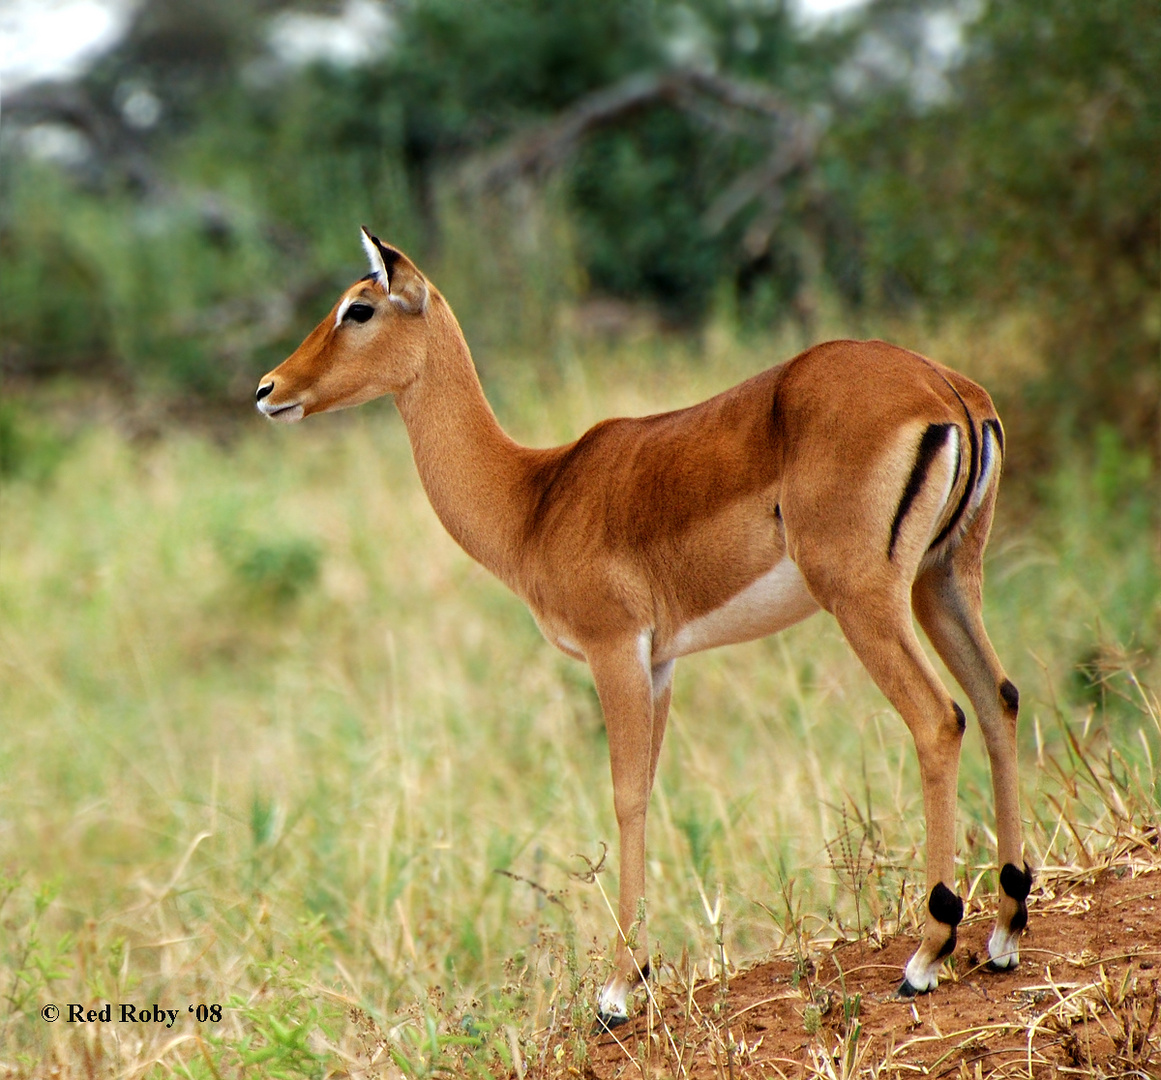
(996, 969)
(906, 990)
(607, 1021)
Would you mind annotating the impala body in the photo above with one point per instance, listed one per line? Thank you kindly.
(858, 478)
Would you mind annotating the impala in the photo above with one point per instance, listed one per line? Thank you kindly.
(858, 478)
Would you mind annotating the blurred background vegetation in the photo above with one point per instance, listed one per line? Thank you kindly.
(256, 705)
(175, 217)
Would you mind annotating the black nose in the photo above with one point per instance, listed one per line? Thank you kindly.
(263, 391)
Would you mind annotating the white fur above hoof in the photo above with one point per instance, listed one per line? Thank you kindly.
(612, 1005)
(1003, 950)
(919, 977)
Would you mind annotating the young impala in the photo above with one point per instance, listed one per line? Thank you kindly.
(858, 477)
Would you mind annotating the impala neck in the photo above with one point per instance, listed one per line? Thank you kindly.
(473, 473)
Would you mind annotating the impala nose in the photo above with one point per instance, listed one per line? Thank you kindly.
(264, 390)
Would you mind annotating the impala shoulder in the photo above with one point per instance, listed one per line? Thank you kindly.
(557, 477)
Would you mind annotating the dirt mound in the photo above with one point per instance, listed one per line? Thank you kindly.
(1083, 1002)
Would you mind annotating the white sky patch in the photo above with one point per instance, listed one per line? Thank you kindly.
(922, 65)
(355, 36)
(56, 143)
(44, 39)
(817, 12)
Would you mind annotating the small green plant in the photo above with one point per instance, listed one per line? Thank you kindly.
(853, 857)
(275, 572)
(280, 1029)
(32, 958)
(28, 450)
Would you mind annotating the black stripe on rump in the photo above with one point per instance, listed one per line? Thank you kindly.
(932, 442)
(998, 432)
(973, 472)
(986, 447)
(980, 467)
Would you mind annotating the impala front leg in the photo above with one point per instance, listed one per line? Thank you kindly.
(624, 677)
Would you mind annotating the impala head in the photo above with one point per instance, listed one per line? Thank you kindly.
(372, 343)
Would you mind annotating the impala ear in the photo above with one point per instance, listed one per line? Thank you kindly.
(374, 252)
(393, 270)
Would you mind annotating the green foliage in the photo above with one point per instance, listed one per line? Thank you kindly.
(54, 312)
(639, 196)
(702, 833)
(1030, 181)
(467, 79)
(34, 958)
(1119, 489)
(277, 571)
(283, 1026)
(29, 448)
(640, 190)
(149, 294)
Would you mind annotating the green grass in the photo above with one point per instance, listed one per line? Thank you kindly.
(271, 741)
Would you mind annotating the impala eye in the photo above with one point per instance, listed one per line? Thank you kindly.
(358, 313)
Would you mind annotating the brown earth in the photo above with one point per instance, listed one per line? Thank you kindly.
(1083, 1002)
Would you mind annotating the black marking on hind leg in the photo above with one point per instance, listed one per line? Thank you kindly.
(947, 908)
(948, 947)
(1017, 884)
(944, 905)
(930, 445)
(1010, 696)
(960, 719)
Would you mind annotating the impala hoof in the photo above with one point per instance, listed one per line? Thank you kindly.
(607, 1021)
(1004, 946)
(998, 967)
(907, 989)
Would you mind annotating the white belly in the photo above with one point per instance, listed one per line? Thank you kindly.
(778, 599)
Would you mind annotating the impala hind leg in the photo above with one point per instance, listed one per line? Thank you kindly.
(635, 701)
(947, 603)
(880, 630)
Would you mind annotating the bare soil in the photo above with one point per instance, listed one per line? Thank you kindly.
(1083, 1002)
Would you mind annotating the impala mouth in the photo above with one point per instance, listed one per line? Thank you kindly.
(284, 414)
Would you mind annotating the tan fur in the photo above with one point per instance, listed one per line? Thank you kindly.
(619, 540)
